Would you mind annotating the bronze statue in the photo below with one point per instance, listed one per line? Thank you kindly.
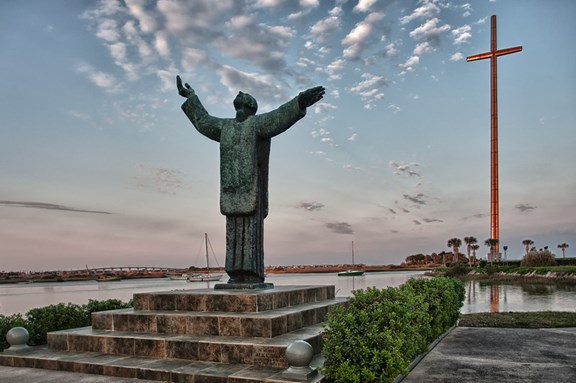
(244, 156)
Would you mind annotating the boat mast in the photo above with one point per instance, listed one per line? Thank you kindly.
(207, 258)
(352, 254)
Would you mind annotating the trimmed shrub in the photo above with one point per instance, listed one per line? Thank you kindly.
(511, 263)
(376, 336)
(566, 261)
(110, 304)
(52, 318)
(539, 258)
(40, 321)
(445, 297)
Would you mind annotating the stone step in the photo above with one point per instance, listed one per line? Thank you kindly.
(265, 324)
(209, 300)
(258, 351)
(165, 370)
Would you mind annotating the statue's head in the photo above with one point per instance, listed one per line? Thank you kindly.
(245, 105)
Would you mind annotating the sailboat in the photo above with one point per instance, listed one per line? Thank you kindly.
(207, 277)
(181, 277)
(353, 272)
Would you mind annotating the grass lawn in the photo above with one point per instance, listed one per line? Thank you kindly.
(538, 319)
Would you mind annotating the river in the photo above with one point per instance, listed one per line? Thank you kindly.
(480, 297)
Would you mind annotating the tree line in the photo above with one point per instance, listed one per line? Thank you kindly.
(471, 248)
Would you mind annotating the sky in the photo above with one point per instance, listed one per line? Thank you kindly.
(100, 167)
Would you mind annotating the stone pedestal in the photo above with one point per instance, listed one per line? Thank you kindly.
(192, 336)
(243, 286)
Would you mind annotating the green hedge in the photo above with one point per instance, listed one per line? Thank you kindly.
(40, 321)
(380, 331)
(566, 261)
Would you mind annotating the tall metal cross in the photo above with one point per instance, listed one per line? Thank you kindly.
(492, 55)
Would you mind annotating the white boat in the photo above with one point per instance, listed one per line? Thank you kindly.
(182, 277)
(206, 277)
(353, 272)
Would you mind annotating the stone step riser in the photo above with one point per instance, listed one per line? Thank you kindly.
(216, 325)
(178, 371)
(265, 355)
(201, 301)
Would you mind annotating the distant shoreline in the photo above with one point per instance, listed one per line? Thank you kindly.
(75, 276)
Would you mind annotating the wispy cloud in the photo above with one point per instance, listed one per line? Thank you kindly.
(103, 80)
(467, 9)
(359, 38)
(310, 206)
(524, 207)
(351, 167)
(78, 114)
(409, 64)
(475, 216)
(430, 220)
(48, 206)
(402, 169)
(430, 31)
(462, 34)
(426, 10)
(417, 198)
(369, 89)
(340, 227)
(163, 180)
(323, 29)
(457, 56)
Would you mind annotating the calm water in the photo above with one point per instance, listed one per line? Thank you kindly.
(20, 298)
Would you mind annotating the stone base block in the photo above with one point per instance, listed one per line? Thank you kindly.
(243, 286)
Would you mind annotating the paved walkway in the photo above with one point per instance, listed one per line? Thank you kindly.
(34, 375)
(465, 355)
(474, 355)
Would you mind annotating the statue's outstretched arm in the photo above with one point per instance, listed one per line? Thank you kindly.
(206, 124)
(277, 121)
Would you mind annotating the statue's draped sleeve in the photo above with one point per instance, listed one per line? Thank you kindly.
(206, 124)
(277, 121)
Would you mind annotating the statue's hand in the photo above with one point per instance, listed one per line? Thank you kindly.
(311, 96)
(184, 91)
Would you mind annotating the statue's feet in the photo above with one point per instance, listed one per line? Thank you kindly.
(244, 281)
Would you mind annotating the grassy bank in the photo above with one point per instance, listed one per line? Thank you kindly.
(538, 319)
(502, 272)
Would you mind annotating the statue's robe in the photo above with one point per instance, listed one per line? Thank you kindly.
(244, 158)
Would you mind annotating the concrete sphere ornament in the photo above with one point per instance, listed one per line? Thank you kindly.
(17, 337)
(299, 354)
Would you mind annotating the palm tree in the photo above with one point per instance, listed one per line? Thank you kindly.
(455, 243)
(563, 246)
(469, 242)
(505, 249)
(527, 243)
(492, 243)
(474, 248)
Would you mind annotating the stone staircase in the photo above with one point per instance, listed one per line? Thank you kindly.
(234, 336)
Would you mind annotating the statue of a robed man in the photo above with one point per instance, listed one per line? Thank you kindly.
(244, 156)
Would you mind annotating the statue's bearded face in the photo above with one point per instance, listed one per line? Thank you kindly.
(245, 106)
